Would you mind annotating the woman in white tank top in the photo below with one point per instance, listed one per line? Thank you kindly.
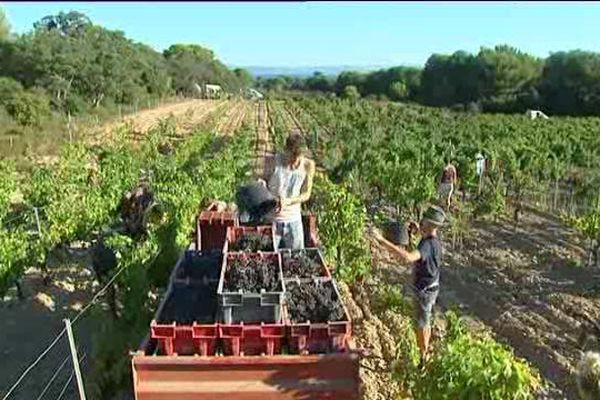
(290, 180)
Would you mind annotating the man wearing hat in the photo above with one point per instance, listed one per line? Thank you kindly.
(427, 261)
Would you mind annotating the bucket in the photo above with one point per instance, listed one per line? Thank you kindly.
(396, 233)
(256, 200)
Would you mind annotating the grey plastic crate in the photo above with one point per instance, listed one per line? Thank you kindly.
(246, 307)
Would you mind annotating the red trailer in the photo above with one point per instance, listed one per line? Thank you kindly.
(290, 377)
(203, 371)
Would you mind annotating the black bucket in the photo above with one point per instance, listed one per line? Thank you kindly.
(396, 233)
(256, 200)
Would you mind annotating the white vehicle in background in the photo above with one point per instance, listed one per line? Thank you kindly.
(212, 91)
(208, 91)
(254, 94)
(534, 114)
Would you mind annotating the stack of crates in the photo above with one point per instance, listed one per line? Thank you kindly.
(199, 316)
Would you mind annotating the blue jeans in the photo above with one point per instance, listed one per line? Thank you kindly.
(288, 235)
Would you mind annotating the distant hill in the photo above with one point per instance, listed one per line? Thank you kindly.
(302, 72)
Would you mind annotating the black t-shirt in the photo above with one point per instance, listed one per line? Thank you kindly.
(427, 269)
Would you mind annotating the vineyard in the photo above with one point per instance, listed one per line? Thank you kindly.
(523, 253)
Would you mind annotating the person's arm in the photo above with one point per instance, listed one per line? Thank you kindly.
(455, 176)
(407, 257)
(306, 188)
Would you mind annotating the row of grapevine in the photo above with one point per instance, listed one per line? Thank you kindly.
(77, 200)
(394, 152)
(378, 152)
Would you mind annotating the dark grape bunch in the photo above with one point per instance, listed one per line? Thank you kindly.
(316, 302)
(301, 264)
(251, 275)
(253, 242)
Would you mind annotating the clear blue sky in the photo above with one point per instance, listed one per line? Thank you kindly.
(335, 33)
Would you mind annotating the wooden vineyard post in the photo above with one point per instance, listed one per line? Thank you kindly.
(69, 127)
(75, 359)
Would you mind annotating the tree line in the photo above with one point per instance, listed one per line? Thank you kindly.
(67, 64)
(499, 79)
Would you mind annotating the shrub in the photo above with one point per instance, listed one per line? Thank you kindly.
(27, 107)
(588, 376)
(342, 222)
(474, 366)
(351, 93)
(9, 87)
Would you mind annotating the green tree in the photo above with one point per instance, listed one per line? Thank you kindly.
(79, 64)
(349, 78)
(244, 77)
(4, 27)
(27, 107)
(8, 87)
(449, 80)
(351, 93)
(398, 90)
(69, 23)
(319, 82)
(190, 65)
(508, 75)
(571, 83)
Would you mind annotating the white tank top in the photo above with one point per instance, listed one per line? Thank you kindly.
(287, 182)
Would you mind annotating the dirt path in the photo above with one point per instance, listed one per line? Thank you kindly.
(187, 115)
(525, 285)
(144, 120)
(233, 118)
(28, 326)
(263, 146)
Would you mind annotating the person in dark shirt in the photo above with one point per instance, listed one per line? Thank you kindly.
(427, 261)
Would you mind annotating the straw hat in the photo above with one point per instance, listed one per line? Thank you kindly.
(435, 215)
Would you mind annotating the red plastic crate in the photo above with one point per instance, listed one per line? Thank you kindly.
(251, 340)
(185, 339)
(330, 337)
(211, 228)
(311, 235)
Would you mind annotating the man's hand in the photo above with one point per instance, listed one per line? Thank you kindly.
(412, 227)
(374, 233)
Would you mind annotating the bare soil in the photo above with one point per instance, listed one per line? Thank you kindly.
(187, 115)
(526, 283)
(28, 326)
